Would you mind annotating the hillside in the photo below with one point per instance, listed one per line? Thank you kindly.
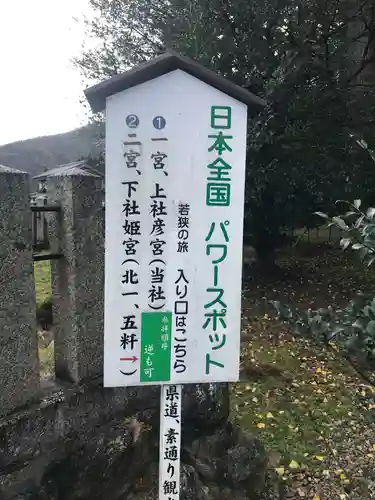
(36, 155)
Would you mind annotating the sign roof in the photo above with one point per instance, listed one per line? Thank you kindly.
(165, 63)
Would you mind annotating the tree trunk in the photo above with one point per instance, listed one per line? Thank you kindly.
(265, 246)
(266, 259)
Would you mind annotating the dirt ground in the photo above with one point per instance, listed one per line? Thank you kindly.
(313, 413)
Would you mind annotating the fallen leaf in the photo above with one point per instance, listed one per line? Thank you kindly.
(294, 465)
(261, 425)
(280, 471)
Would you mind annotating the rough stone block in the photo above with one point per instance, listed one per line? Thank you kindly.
(78, 278)
(19, 366)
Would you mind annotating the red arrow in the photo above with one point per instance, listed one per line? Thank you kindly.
(134, 359)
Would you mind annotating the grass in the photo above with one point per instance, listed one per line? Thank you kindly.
(42, 275)
(310, 409)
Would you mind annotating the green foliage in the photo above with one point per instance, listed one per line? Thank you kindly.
(353, 326)
(358, 228)
(311, 62)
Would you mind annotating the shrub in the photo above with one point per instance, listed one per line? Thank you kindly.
(353, 327)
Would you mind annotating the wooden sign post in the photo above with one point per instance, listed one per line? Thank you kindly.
(175, 176)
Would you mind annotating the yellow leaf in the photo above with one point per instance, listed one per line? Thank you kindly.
(316, 497)
(342, 476)
(269, 415)
(261, 425)
(318, 370)
(373, 446)
(280, 471)
(319, 457)
(293, 465)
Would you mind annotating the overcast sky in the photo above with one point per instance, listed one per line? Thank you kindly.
(39, 88)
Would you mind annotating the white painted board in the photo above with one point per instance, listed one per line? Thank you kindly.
(170, 442)
(173, 298)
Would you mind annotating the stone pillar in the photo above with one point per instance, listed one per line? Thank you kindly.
(19, 365)
(78, 278)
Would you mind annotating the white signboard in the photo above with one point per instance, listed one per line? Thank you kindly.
(170, 442)
(175, 175)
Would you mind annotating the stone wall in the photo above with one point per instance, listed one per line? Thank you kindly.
(69, 438)
(86, 442)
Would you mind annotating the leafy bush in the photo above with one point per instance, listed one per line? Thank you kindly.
(353, 327)
(358, 228)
